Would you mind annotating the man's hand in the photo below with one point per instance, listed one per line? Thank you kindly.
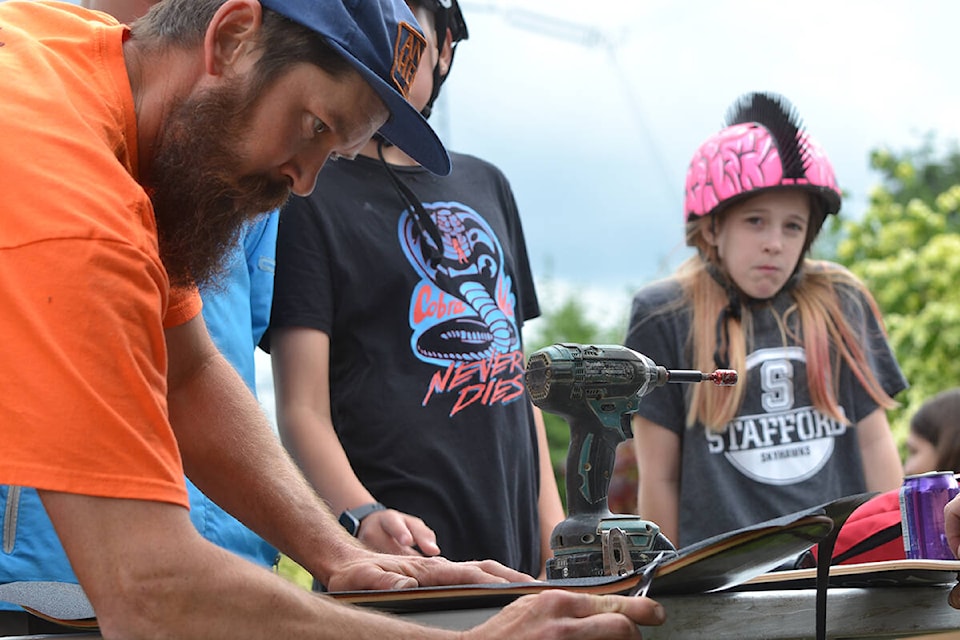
(392, 531)
(382, 571)
(951, 522)
(558, 614)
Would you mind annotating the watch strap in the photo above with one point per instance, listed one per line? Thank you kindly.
(351, 518)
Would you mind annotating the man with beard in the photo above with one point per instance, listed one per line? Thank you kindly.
(236, 311)
(132, 157)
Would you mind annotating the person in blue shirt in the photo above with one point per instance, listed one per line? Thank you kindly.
(236, 312)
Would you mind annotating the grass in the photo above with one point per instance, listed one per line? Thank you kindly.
(293, 572)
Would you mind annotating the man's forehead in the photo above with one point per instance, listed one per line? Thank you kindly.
(358, 112)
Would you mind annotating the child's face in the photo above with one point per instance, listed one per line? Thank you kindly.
(921, 455)
(760, 240)
(422, 86)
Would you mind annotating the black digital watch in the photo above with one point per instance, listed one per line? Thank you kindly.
(351, 518)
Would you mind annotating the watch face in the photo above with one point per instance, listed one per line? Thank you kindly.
(349, 522)
(351, 518)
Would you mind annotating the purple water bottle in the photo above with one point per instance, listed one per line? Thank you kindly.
(922, 499)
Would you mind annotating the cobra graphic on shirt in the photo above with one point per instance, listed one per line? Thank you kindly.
(462, 310)
(777, 442)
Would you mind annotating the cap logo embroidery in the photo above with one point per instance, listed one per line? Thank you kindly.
(408, 49)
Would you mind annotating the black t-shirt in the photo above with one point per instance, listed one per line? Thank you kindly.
(426, 360)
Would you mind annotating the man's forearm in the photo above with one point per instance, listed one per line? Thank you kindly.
(150, 575)
(233, 456)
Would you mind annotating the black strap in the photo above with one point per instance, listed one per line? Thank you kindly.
(824, 553)
(425, 224)
(721, 353)
(733, 310)
(736, 300)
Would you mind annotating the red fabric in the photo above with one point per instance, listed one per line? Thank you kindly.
(876, 526)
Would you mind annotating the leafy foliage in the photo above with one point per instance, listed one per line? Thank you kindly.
(906, 248)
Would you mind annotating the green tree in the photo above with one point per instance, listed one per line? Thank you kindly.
(907, 250)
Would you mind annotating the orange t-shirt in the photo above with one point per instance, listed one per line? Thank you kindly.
(84, 297)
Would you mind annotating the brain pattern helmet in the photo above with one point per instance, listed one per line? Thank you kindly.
(763, 146)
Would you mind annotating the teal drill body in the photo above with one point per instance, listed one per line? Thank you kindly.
(596, 389)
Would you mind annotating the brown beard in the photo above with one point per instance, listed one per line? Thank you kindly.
(199, 196)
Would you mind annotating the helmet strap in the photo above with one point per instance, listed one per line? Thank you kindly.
(733, 310)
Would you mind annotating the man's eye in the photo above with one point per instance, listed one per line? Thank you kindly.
(318, 126)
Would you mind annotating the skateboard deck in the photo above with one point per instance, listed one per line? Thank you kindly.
(720, 562)
(865, 574)
(60, 602)
(716, 563)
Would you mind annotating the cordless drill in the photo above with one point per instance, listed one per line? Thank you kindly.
(596, 388)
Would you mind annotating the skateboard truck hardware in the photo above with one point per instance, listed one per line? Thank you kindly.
(616, 552)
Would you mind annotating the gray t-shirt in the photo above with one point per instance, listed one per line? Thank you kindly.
(780, 454)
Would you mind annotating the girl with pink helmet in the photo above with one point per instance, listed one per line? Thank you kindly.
(807, 423)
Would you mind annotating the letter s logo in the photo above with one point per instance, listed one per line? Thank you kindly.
(776, 378)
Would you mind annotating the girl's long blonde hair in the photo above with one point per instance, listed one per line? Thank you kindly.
(816, 320)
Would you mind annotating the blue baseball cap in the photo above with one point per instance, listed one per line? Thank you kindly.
(383, 42)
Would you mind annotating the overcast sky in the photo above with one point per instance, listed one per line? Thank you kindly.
(594, 114)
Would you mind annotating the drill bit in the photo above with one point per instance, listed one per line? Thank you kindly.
(720, 377)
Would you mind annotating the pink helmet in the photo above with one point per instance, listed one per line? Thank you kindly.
(762, 147)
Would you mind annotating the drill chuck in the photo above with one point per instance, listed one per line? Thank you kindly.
(563, 378)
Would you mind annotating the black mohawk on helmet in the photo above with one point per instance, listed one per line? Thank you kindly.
(775, 114)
